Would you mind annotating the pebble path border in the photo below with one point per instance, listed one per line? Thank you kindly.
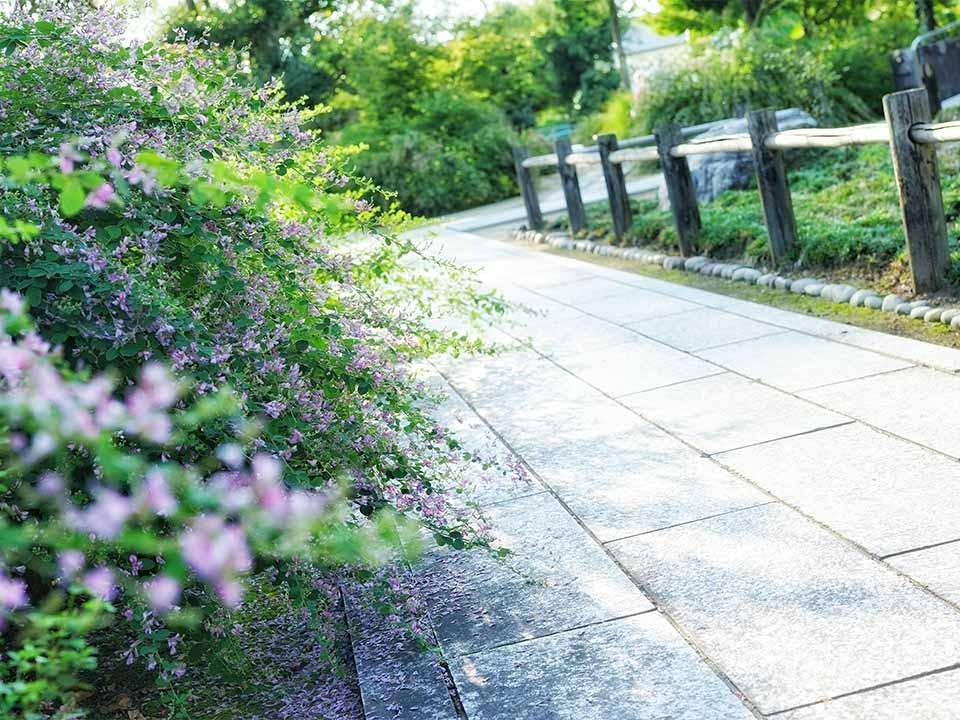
(838, 293)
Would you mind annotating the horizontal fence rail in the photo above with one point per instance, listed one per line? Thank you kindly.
(908, 130)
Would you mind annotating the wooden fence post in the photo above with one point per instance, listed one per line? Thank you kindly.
(616, 187)
(773, 185)
(918, 183)
(571, 187)
(527, 188)
(680, 189)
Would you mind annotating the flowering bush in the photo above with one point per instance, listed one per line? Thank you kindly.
(93, 509)
(158, 213)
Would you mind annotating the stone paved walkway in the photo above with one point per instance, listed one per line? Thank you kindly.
(734, 512)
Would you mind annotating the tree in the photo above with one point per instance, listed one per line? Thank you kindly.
(925, 15)
(278, 37)
(707, 16)
(580, 52)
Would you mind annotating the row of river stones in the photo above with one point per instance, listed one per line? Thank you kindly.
(838, 293)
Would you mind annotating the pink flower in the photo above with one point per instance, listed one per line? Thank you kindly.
(67, 157)
(266, 468)
(275, 408)
(71, 562)
(114, 157)
(231, 455)
(230, 592)
(50, 484)
(13, 593)
(107, 516)
(214, 550)
(139, 176)
(11, 302)
(99, 582)
(101, 197)
(162, 592)
(155, 494)
(159, 385)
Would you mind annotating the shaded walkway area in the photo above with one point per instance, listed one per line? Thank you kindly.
(733, 511)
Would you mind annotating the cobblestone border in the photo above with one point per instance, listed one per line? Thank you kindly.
(838, 293)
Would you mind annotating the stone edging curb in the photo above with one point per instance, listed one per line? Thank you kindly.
(841, 294)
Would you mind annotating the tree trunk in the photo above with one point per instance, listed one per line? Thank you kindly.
(925, 15)
(618, 43)
(752, 8)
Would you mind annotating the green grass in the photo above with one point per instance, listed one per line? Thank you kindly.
(847, 212)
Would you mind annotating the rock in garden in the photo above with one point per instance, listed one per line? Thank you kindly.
(933, 315)
(919, 311)
(903, 308)
(781, 283)
(814, 289)
(873, 302)
(890, 303)
(718, 172)
(745, 274)
(858, 299)
(843, 293)
(948, 315)
(955, 323)
(799, 286)
(695, 263)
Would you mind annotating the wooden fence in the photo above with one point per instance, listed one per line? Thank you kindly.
(908, 130)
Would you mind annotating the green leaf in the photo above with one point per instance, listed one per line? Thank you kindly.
(72, 198)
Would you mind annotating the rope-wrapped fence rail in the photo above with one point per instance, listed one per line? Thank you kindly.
(932, 133)
(541, 161)
(633, 155)
(583, 158)
(908, 131)
(641, 141)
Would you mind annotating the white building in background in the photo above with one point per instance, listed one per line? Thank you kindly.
(648, 52)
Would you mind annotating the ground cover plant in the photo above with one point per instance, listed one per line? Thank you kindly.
(206, 395)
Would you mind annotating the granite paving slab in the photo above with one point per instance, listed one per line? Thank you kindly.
(724, 412)
(531, 272)
(491, 475)
(533, 307)
(556, 578)
(584, 290)
(638, 668)
(703, 329)
(850, 476)
(788, 611)
(536, 428)
(573, 335)
(792, 361)
(635, 478)
(634, 366)
(937, 568)
(916, 351)
(919, 404)
(934, 697)
(398, 680)
(634, 305)
(484, 379)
